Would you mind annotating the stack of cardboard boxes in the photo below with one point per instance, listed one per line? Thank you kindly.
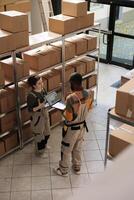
(74, 17)
(14, 31)
(124, 107)
(13, 35)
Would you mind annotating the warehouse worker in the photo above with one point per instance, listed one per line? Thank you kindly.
(78, 104)
(39, 114)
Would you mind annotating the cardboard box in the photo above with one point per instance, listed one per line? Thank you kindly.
(91, 41)
(69, 49)
(2, 77)
(21, 6)
(62, 24)
(86, 20)
(124, 105)
(124, 80)
(67, 89)
(23, 92)
(6, 42)
(42, 57)
(14, 21)
(1, 8)
(80, 44)
(84, 83)
(25, 115)
(55, 117)
(21, 39)
(92, 94)
(91, 81)
(4, 2)
(2, 148)
(74, 8)
(22, 68)
(79, 67)
(11, 141)
(90, 64)
(8, 122)
(27, 132)
(7, 100)
(53, 79)
(43, 75)
(120, 138)
(68, 71)
(128, 76)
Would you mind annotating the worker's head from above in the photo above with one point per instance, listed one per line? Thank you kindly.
(76, 81)
(35, 82)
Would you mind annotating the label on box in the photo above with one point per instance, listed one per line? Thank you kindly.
(129, 113)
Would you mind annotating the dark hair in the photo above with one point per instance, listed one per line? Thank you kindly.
(32, 80)
(76, 81)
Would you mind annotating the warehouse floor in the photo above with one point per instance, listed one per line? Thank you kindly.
(23, 176)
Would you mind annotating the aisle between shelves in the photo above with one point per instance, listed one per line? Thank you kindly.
(16, 71)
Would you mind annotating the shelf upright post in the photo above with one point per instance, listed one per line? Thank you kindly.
(98, 62)
(63, 68)
(107, 136)
(18, 111)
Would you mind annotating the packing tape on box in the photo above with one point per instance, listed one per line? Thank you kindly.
(131, 91)
(126, 130)
(129, 113)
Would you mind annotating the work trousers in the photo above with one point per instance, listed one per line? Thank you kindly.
(71, 146)
(41, 129)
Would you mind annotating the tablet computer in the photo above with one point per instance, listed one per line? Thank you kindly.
(54, 101)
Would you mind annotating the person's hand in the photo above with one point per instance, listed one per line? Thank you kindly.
(40, 105)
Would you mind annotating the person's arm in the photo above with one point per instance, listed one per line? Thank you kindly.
(40, 106)
(33, 103)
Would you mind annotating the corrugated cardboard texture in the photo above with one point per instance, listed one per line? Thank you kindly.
(62, 24)
(21, 6)
(13, 21)
(120, 139)
(43, 57)
(124, 105)
(74, 8)
(22, 68)
(69, 49)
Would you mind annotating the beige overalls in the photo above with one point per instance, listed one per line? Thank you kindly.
(72, 138)
(40, 125)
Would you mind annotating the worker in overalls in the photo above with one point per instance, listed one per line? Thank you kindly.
(39, 114)
(78, 104)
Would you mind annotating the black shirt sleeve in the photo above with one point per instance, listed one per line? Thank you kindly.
(32, 102)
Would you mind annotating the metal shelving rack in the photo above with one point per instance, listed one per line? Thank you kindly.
(37, 40)
(84, 30)
(112, 115)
